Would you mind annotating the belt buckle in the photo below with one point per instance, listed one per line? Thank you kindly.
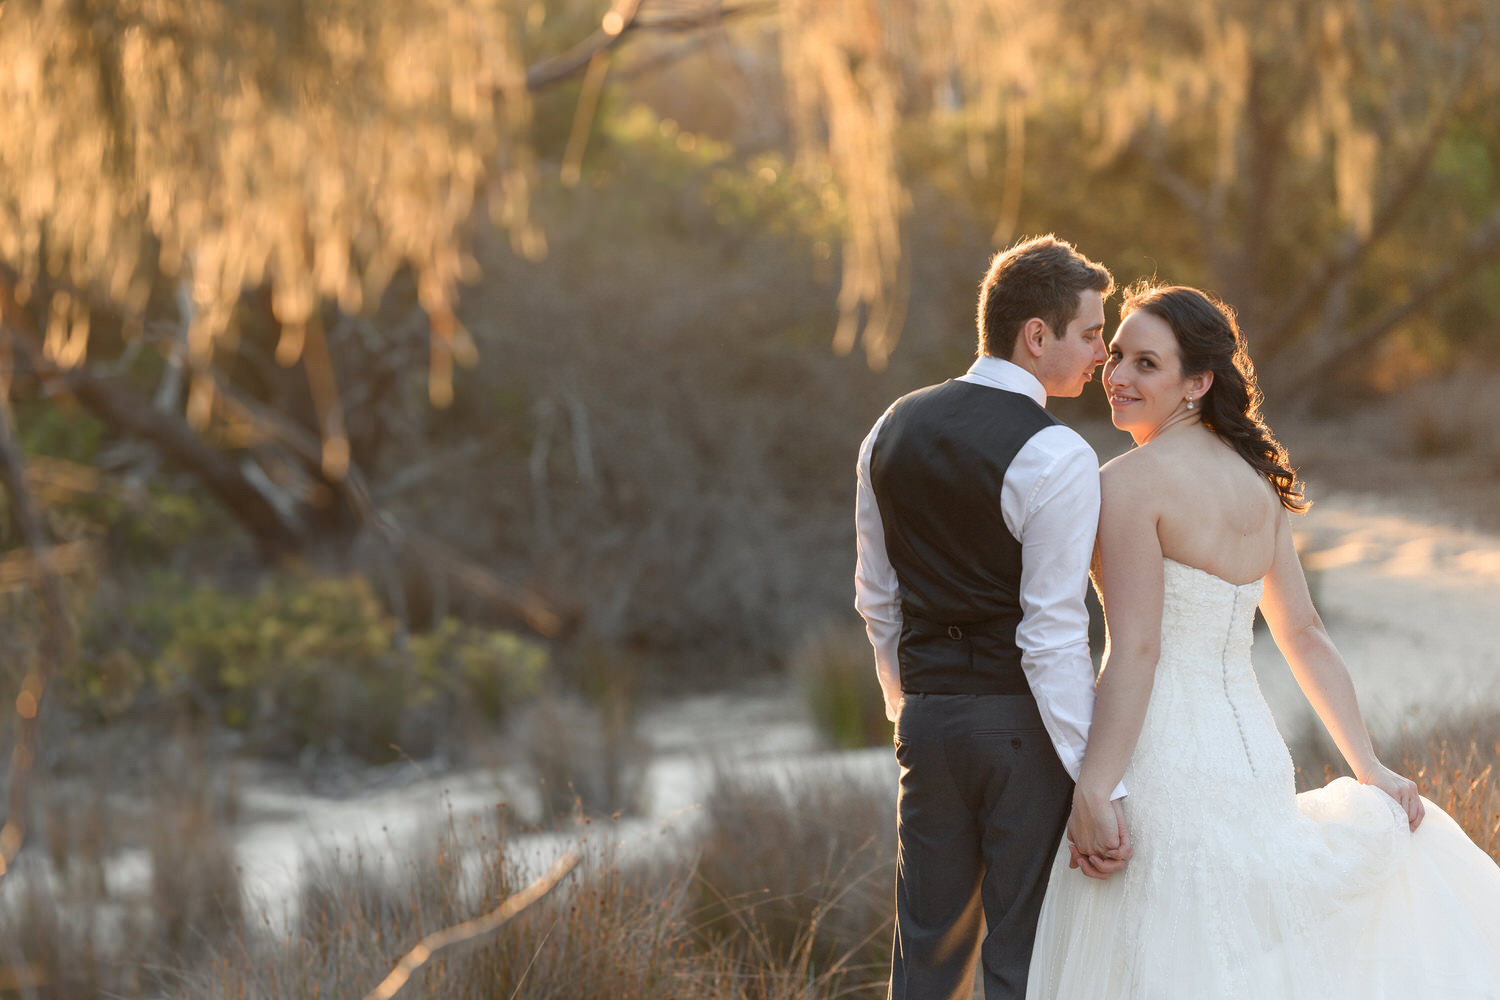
(954, 632)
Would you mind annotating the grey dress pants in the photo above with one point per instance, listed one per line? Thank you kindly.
(983, 805)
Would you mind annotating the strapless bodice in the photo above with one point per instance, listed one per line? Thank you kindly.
(1205, 617)
(1206, 710)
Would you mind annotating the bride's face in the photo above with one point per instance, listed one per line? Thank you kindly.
(1143, 376)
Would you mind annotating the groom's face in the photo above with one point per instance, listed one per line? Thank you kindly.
(1068, 362)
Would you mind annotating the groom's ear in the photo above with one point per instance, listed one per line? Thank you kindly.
(1034, 333)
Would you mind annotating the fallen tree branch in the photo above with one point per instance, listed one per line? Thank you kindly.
(517, 605)
(470, 930)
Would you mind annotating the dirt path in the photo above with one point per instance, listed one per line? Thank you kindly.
(1413, 604)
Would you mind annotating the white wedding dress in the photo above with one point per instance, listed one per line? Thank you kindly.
(1239, 887)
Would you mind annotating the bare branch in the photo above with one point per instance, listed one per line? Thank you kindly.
(1194, 202)
(419, 473)
(561, 67)
(470, 930)
(174, 439)
(1340, 265)
(1482, 246)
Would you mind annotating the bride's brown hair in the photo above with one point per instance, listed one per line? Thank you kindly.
(1209, 340)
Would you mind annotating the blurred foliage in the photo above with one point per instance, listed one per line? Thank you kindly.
(313, 150)
(834, 670)
(587, 760)
(60, 431)
(644, 152)
(299, 662)
(658, 432)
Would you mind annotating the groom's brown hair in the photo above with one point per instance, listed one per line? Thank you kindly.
(1040, 277)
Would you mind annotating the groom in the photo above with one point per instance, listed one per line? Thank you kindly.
(975, 516)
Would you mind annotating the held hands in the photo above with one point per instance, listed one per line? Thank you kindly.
(1402, 789)
(1098, 840)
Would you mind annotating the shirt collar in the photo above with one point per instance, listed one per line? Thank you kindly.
(1001, 374)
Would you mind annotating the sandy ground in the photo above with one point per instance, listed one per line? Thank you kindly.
(1413, 604)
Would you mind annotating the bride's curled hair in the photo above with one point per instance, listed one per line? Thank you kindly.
(1209, 340)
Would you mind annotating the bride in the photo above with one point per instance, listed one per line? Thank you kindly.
(1236, 886)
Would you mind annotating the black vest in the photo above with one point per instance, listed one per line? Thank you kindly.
(936, 468)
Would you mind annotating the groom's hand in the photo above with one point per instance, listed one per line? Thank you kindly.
(1099, 868)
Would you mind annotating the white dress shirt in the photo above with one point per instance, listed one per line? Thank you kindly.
(1050, 502)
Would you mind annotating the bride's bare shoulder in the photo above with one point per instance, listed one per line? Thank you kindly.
(1138, 464)
(1136, 475)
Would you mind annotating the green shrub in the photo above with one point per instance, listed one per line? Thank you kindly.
(63, 430)
(158, 523)
(492, 669)
(300, 662)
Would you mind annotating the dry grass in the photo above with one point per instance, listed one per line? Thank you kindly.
(801, 875)
(66, 931)
(587, 761)
(783, 891)
(784, 901)
(1454, 763)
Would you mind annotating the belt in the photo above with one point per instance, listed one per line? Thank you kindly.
(961, 630)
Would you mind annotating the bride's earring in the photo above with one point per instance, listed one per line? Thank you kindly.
(1190, 402)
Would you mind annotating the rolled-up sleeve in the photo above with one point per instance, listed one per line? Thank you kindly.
(1055, 500)
(877, 594)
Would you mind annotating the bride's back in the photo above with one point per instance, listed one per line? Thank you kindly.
(1217, 512)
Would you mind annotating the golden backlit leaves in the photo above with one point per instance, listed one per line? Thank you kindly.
(318, 149)
(315, 149)
(1125, 73)
(845, 106)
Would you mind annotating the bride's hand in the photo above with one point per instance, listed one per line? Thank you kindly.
(1402, 789)
(1097, 829)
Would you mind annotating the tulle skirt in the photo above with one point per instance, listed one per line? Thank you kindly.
(1335, 900)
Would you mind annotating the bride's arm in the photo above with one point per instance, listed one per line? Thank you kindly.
(1129, 578)
(1322, 674)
